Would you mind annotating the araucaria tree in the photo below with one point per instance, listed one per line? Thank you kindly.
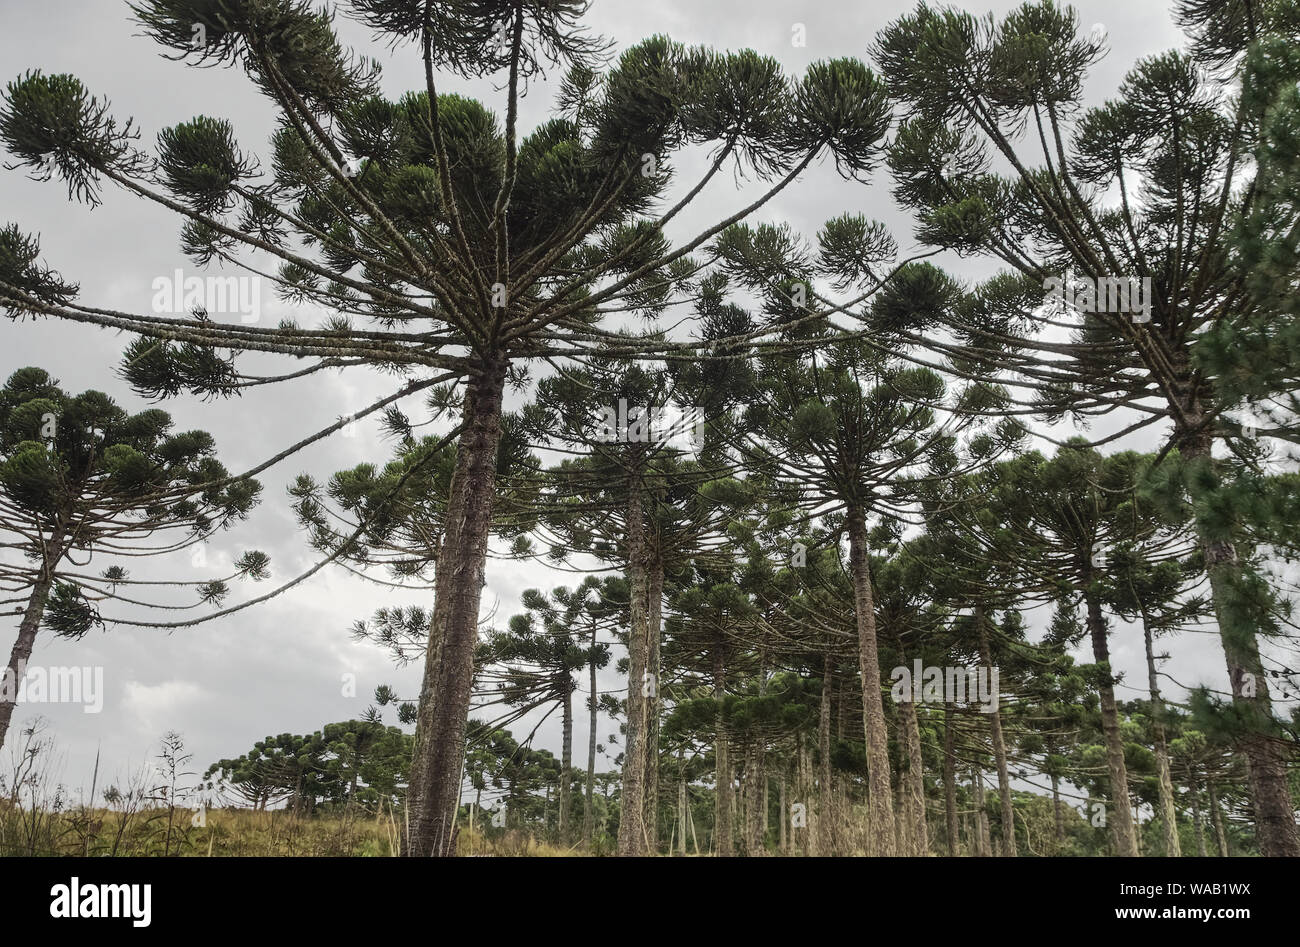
(447, 243)
(820, 565)
(1128, 215)
(84, 482)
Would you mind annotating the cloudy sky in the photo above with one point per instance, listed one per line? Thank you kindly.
(280, 666)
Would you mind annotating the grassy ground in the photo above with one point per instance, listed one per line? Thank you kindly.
(230, 832)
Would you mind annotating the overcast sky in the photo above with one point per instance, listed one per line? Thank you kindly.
(279, 667)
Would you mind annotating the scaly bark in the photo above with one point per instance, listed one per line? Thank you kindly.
(1168, 813)
(983, 840)
(681, 802)
(453, 634)
(1058, 813)
(1196, 816)
(26, 640)
(912, 779)
(588, 804)
(631, 826)
(783, 834)
(825, 824)
(950, 781)
(722, 831)
(880, 801)
(1122, 816)
(1216, 814)
(999, 744)
(1266, 770)
(654, 618)
(566, 763)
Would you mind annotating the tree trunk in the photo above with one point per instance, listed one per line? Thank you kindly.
(682, 802)
(631, 826)
(1196, 818)
(999, 745)
(748, 809)
(983, 841)
(654, 618)
(803, 792)
(825, 824)
(434, 795)
(783, 834)
(26, 640)
(755, 813)
(22, 650)
(1122, 818)
(949, 781)
(1216, 814)
(723, 795)
(1058, 814)
(589, 806)
(912, 779)
(1265, 765)
(1168, 812)
(566, 764)
(880, 801)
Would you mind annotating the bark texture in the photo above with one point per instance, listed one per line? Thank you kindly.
(1265, 764)
(1121, 816)
(880, 801)
(449, 658)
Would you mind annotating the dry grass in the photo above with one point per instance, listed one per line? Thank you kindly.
(234, 832)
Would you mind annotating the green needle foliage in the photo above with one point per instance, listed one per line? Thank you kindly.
(82, 481)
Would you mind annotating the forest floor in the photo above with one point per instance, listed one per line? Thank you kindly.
(231, 832)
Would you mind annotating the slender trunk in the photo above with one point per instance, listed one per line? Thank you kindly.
(1137, 823)
(747, 808)
(912, 779)
(681, 803)
(453, 634)
(695, 840)
(1265, 764)
(588, 805)
(1057, 812)
(754, 812)
(1168, 812)
(880, 800)
(566, 763)
(1121, 819)
(825, 830)
(803, 790)
(783, 835)
(999, 744)
(949, 780)
(22, 651)
(723, 795)
(916, 784)
(1216, 814)
(654, 617)
(758, 840)
(983, 841)
(1196, 817)
(631, 826)
(902, 837)
(27, 629)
